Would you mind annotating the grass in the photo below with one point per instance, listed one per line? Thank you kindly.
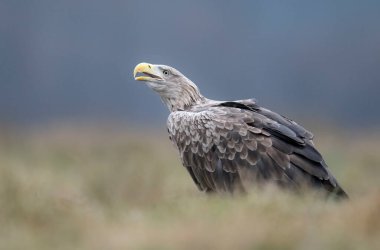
(103, 188)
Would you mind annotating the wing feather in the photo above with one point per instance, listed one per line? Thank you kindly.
(232, 145)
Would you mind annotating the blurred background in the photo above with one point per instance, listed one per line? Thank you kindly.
(73, 60)
(84, 157)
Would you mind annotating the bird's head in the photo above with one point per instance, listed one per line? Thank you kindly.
(175, 89)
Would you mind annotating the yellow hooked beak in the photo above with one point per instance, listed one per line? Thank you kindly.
(147, 72)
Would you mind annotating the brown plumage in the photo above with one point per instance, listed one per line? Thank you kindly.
(227, 146)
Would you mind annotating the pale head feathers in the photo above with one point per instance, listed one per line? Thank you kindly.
(176, 90)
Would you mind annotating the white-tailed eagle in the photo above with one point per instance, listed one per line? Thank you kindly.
(226, 146)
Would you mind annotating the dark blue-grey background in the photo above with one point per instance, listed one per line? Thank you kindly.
(73, 60)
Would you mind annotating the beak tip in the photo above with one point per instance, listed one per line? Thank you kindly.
(139, 68)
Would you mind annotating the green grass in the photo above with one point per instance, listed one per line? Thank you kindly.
(78, 188)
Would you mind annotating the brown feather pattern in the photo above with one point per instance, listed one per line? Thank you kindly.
(228, 146)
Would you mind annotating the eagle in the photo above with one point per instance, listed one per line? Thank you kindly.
(229, 146)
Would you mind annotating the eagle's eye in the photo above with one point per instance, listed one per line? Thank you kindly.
(165, 72)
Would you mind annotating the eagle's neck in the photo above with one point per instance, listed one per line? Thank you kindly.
(184, 98)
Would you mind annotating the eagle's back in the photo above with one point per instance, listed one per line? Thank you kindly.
(229, 146)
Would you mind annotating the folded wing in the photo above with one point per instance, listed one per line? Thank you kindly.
(229, 146)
